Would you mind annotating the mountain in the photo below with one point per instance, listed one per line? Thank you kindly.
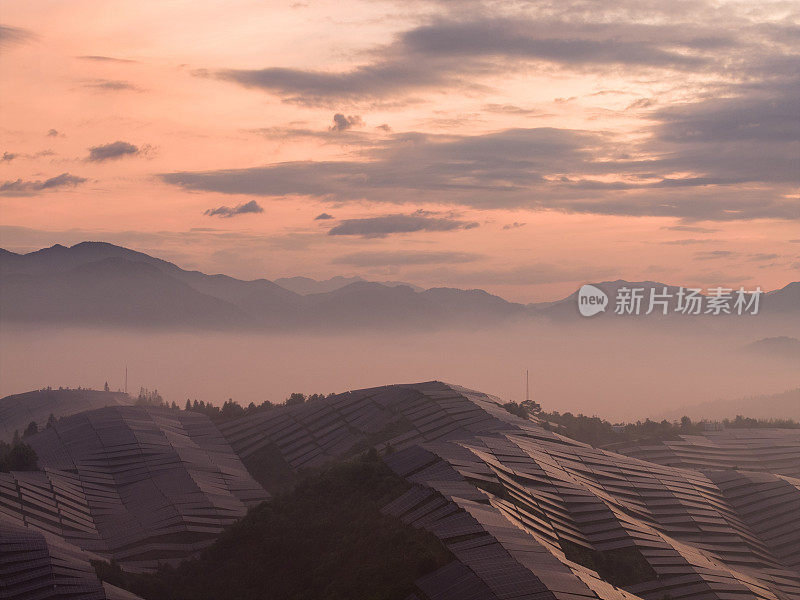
(95, 283)
(785, 405)
(306, 285)
(786, 299)
(780, 347)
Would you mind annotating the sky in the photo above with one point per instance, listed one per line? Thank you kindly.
(520, 147)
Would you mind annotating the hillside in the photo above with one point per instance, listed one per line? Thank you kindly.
(516, 510)
(19, 410)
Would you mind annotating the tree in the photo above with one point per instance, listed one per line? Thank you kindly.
(533, 408)
(18, 456)
(51, 420)
(106, 388)
(31, 429)
(295, 399)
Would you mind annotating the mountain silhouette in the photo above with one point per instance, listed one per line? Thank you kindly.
(96, 283)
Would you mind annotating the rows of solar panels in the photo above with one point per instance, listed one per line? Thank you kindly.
(141, 486)
(516, 504)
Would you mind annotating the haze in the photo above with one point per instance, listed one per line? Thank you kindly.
(615, 372)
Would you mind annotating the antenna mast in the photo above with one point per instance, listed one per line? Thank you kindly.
(527, 387)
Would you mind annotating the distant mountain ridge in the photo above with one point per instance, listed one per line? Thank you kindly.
(307, 285)
(785, 405)
(96, 283)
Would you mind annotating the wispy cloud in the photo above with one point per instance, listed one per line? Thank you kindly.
(111, 85)
(373, 227)
(21, 187)
(404, 258)
(11, 36)
(108, 59)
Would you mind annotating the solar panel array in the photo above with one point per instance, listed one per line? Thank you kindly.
(36, 565)
(139, 485)
(711, 517)
(771, 450)
(394, 416)
(513, 501)
(17, 411)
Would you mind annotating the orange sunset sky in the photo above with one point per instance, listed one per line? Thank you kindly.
(520, 147)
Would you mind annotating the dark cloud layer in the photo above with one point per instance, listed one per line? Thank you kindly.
(540, 169)
(21, 187)
(251, 207)
(111, 151)
(451, 52)
(727, 151)
(372, 227)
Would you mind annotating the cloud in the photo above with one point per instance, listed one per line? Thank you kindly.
(54, 133)
(323, 217)
(511, 109)
(96, 58)
(762, 257)
(714, 255)
(503, 162)
(379, 80)
(343, 123)
(111, 85)
(404, 258)
(539, 168)
(687, 242)
(111, 151)
(9, 156)
(372, 227)
(725, 151)
(11, 36)
(514, 225)
(251, 207)
(691, 228)
(20, 187)
(641, 103)
(456, 51)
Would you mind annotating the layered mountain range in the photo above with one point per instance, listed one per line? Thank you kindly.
(99, 284)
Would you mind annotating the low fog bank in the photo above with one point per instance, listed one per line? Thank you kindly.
(613, 371)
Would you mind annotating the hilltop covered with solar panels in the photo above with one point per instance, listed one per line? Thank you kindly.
(500, 506)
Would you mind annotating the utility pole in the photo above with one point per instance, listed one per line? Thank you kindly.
(126, 379)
